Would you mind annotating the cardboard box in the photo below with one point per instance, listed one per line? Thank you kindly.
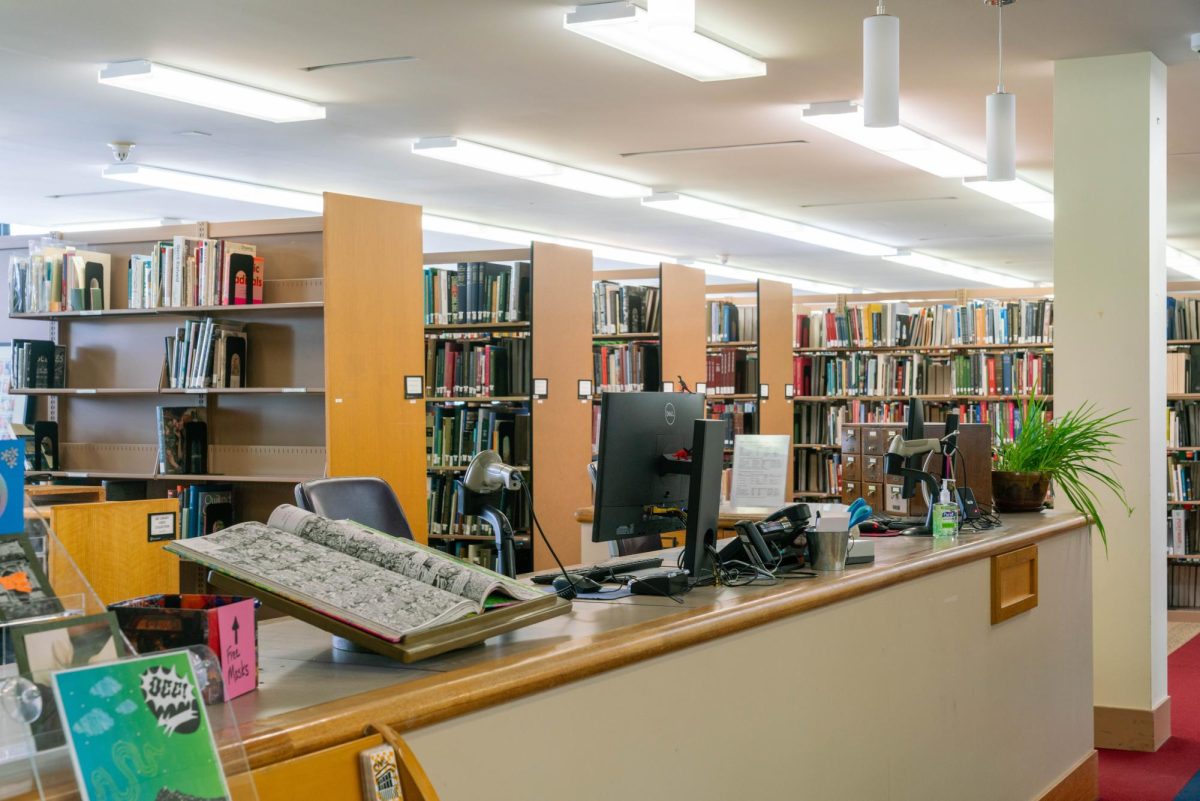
(225, 623)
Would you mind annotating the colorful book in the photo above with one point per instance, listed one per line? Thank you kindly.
(140, 712)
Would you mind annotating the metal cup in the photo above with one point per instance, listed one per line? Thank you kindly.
(829, 550)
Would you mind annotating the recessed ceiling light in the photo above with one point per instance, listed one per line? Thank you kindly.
(1018, 192)
(664, 33)
(846, 119)
(214, 187)
(516, 165)
(951, 268)
(743, 274)
(173, 83)
(753, 221)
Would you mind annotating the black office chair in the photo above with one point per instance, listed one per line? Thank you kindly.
(363, 499)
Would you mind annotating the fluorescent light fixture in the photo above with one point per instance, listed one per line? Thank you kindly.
(19, 229)
(1019, 193)
(743, 274)
(847, 120)
(185, 86)
(513, 236)
(1182, 262)
(115, 225)
(936, 265)
(214, 187)
(504, 162)
(752, 221)
(664, 34)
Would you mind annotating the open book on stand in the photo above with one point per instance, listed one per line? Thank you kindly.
(383, 586)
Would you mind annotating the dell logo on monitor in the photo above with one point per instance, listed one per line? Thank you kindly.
(669, 411)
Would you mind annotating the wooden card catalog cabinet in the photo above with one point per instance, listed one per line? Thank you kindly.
(1014, 583)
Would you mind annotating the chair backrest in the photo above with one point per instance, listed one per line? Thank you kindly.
(363, 499)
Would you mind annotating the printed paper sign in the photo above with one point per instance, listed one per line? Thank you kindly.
(760, 463)
(137, 730)
(239, 662)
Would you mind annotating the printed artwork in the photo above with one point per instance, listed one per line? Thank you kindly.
(24, 590)
(138, 731)
(379, 774)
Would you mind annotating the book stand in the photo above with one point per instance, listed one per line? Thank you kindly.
(35, 761)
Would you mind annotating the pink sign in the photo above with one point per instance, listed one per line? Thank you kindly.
(239, 660)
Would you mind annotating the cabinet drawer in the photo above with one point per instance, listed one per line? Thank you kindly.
(850, 440)
(851, 466)
(872, 469)
(850, 491)
(875, 440)
(893, 504)
(873, 494)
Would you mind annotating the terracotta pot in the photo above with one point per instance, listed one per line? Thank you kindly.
(1019, 492)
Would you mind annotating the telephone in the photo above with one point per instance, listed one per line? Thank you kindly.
(776, 540)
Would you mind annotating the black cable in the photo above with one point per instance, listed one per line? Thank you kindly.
(570, 591)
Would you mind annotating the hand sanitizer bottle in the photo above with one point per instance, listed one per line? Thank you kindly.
(945, 515)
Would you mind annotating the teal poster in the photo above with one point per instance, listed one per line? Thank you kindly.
(138, 731)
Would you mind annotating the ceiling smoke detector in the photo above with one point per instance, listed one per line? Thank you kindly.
(121, 150)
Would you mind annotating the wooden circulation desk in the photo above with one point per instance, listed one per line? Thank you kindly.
(887, 681)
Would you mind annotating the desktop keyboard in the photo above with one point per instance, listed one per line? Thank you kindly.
(604, 571)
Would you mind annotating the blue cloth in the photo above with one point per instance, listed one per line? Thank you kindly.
(1191, 790)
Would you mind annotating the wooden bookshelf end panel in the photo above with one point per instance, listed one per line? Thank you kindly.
(683, 334)
(1014, 583)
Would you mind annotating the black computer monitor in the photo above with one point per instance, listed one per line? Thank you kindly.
(638, 432)
(704, 499)
(913, 429)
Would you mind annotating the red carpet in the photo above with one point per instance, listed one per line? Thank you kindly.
(1161, 776)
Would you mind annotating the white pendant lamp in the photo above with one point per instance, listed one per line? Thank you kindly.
(1001, 115)
(881, 69)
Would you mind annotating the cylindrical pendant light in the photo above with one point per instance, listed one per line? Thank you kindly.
(1001, 115)
(881, 70)
(1001, 136)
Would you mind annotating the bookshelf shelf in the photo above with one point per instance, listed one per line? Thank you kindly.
(481, 399)
(815, 495)
(742, 344)
(1183, 503)
(520, 539)
(625, 337)
(480, 327)
(1184, 450)
(463, 469)
(173, 311)
(125, 391)
(923, 349)
(1172, 342)
(1183, 396)
(925, 398)
(812, 446)
(749, 396)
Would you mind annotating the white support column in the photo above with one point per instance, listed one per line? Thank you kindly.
(1110, 349)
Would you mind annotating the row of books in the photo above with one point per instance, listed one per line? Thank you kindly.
(37, 364)
(477, 292)
(867, 374)
(631, 367)
(1183, 584)
(446, 520)
(1183, 532)
(817, 471)
(477, 553)
(205, 509)
(53, 279)
(816, 424)
(188, 272)
(618, 309)
(732, 371)
(1183, 370)
(207, 353)
(1183, 425)
(741, 417)
(1183, 318)
(728, 322)
(454, 434)
(986, 322)
(465, 368)
(1183, 481)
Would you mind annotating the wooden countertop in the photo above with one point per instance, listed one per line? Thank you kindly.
(299, 711)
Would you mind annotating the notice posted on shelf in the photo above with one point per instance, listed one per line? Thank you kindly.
(760, 463)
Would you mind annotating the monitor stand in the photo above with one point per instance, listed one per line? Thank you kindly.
(704, 499)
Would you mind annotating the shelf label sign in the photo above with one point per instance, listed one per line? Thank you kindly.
(160, 526)
(541, 388)
(414, 387)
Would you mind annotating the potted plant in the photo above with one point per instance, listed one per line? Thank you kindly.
(1071, 450)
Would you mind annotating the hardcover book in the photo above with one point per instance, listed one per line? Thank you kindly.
(174, 448)
(385, 586)
(140, 712)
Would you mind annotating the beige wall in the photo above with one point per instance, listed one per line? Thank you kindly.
(906, 693)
